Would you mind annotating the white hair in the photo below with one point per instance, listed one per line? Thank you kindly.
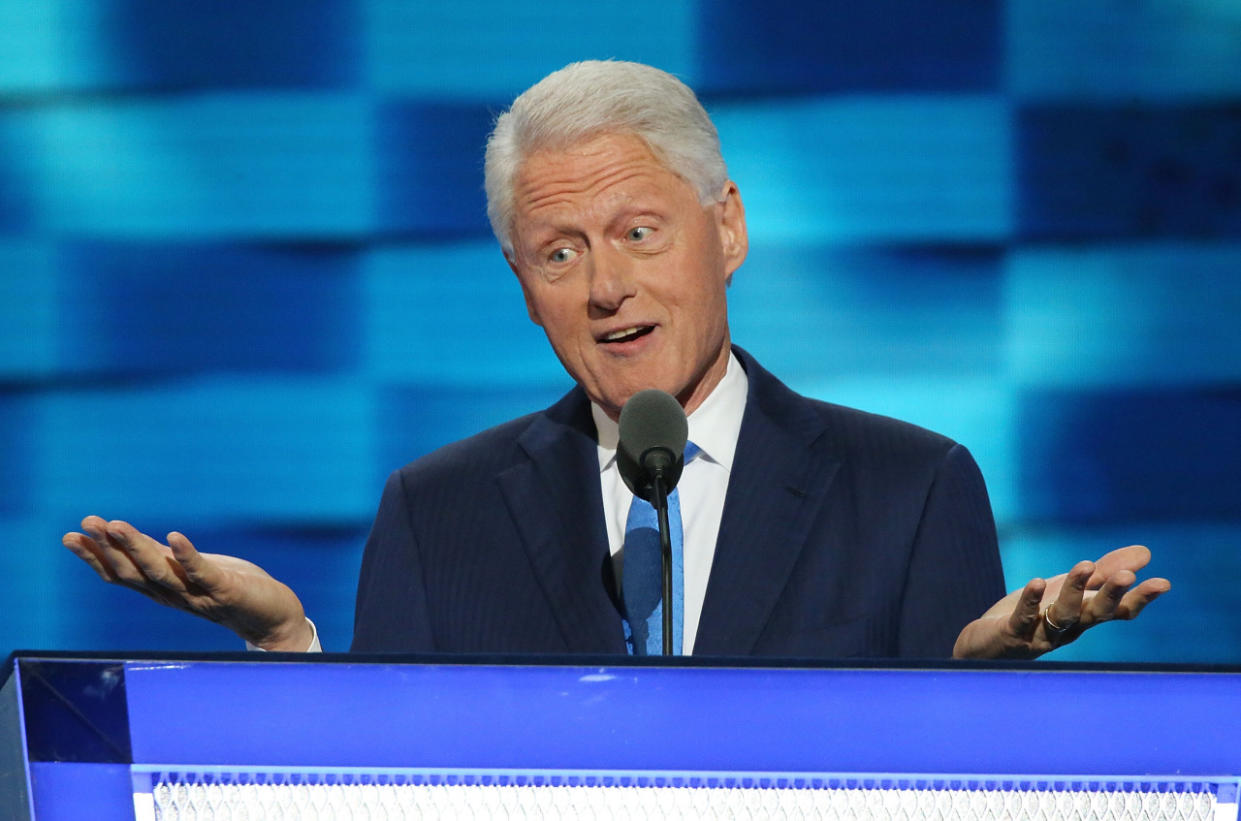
(585, 99)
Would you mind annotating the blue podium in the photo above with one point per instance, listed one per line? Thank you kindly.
(244, 736)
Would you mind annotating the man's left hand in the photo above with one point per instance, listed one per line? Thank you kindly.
(1050, 613)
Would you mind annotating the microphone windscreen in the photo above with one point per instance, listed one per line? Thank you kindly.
(650, 422)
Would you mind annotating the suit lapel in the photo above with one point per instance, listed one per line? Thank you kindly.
(780, 476)
(554, 496)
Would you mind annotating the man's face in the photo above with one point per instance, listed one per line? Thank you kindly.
(625, 270)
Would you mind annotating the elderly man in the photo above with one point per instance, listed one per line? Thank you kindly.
(810, 530)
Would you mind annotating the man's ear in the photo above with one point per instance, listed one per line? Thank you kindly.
(734, 238)
(525, 290)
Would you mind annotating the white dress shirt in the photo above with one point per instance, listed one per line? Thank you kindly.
(713, 427)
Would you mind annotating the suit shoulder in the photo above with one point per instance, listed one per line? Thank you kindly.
(484, 452)
(849, 432)
(862, 430)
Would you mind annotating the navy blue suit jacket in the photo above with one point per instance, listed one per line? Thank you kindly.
(844, 534)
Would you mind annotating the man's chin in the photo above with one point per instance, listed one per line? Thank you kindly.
(612, 401)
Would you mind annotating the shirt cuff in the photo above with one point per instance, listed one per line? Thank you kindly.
(314, 647)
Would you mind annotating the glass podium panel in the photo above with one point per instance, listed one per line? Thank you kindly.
(291, 737)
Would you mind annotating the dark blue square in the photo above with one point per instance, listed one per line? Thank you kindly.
(18, 421)
(174, 307)
(17, 202)
(207, 44)
(430, 169)
(887, 45)
(1088, 171)
(1125, 455)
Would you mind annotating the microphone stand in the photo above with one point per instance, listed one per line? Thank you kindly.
(660, 500)
(653, 433)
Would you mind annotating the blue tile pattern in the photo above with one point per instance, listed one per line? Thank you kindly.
(245, 270)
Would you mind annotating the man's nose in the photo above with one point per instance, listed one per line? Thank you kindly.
(611, 279)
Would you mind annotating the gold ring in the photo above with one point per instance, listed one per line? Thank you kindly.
(1053, 630)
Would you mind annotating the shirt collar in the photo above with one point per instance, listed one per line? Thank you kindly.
(714, 426)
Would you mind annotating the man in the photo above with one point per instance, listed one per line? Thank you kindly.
(810, 530)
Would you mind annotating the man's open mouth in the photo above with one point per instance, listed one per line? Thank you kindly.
(626, 334)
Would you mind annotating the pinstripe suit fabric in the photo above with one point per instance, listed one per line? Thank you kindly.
(844, 534)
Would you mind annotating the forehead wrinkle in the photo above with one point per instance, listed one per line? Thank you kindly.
(587, 190)
(569, 191)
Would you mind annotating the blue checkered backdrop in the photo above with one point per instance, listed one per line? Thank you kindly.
(245, 271)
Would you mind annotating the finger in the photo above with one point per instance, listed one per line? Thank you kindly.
(150, 559)
(1102, 606)
(1132, 558)
(97, 529)
(94, 524)
(88, 550)
(1054, 583)
(1066, 610)
(1003, 607)
(1024, 619)
(1137, 598)
(196, 568)
(119, 566)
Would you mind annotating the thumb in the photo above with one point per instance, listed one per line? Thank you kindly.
(198, 569)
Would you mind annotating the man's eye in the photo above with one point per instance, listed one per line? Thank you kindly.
(639, 233)
(561, 256)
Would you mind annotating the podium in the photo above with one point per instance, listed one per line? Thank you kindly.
(338, 736)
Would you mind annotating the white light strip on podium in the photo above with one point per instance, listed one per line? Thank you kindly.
(184, 795)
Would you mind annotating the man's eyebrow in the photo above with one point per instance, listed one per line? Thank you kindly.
(631, 211)
(543, 231)
(550, 231)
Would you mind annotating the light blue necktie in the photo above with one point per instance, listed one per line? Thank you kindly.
(642, 587)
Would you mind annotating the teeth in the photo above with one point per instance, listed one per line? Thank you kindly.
(622, 333)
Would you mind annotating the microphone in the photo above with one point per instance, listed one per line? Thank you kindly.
(653, 432)
(650, 454)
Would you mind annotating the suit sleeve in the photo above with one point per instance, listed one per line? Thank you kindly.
(391, 615)
(954, 571)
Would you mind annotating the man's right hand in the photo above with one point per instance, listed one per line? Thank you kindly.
(224, 589)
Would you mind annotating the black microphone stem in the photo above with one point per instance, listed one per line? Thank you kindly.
(665, 553)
